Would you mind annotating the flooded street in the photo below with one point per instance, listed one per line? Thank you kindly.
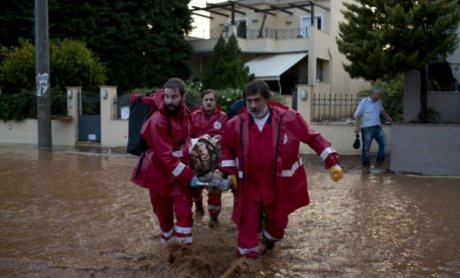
(68, 213)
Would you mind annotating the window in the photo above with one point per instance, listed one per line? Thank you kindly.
(305, 22)
(241, 27)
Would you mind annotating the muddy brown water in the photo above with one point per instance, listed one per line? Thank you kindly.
(74, 213)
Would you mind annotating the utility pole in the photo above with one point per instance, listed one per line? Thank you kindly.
(42, 69)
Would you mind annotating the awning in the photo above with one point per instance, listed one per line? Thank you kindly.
(270, 67)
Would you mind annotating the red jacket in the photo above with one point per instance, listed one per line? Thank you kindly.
(288, 130)
(164, 166)
(203, 123)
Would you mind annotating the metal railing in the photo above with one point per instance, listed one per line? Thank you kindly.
(265, 33)
(327, 108)
(118, 103)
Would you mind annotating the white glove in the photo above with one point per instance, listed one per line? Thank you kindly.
(193, 142)
(217, 184)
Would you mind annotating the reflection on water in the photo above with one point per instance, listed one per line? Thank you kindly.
(75, 214)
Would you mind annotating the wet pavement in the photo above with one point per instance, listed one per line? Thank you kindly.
(74, 213)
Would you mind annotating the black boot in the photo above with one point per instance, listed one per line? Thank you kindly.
(199, 210)
(267, 245)
(213, 221)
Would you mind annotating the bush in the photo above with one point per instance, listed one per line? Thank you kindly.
(18, 107)
(23, 105)
(226, 97)
(17, 68)
(71, 64)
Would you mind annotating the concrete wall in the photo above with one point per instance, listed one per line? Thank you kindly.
(25, 132)
(411, 104)
(426, 149)
(114, 132)
(445, 103)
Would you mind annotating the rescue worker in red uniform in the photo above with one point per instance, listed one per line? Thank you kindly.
(163, 169)
(260, 148)
(208, 119)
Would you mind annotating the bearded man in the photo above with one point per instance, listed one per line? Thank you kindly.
(164, 169)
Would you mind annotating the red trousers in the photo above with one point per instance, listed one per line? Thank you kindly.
(214, 200)
(274, 226)
(165, 208)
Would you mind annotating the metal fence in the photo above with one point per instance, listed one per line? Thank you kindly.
(333, 107)
(119, 103)
(265, 33)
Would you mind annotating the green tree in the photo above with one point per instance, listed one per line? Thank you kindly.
(71, 63)
(237, 73)
(141, 43)
(213, 77)
(226, 67)
(17, 69)
(383, 38)
(16, 21)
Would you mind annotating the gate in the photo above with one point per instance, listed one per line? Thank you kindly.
(89, 117)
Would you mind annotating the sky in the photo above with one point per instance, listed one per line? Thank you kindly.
(201, 24)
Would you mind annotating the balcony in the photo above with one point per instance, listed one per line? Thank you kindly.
(267, 40)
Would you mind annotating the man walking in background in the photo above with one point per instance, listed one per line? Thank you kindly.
(367, 117)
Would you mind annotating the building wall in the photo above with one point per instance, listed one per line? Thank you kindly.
(454, 58)
(25, 132)
(445, 103)
(320, 44)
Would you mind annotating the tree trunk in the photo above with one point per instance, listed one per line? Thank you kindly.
(423, 115)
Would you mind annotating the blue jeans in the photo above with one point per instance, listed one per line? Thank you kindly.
(369, 133)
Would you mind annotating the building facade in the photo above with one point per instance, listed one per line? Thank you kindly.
(284, 42)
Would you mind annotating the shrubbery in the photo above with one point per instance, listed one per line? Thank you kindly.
(71, 64)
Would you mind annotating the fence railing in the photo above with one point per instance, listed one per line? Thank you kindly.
(327, 108)
(118, 104)
(265, 33)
